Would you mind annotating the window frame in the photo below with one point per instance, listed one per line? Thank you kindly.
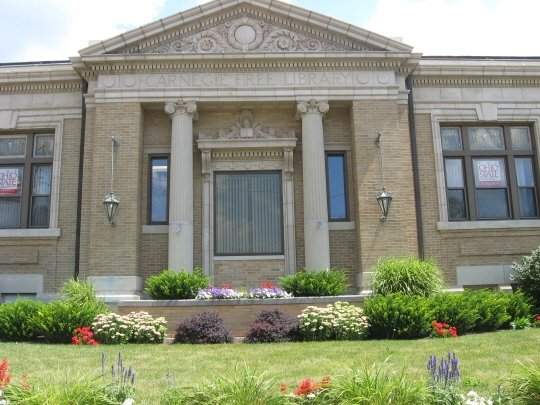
(281, 218)
(151, 157)
(28, 162)
(343, 154)
(508, 154)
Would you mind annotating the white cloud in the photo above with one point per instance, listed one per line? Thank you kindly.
(461, 27)
(59, 28)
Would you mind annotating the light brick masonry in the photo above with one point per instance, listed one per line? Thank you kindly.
(119, 87)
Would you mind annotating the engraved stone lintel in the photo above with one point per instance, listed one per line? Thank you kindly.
(182, 107)
(310, 107)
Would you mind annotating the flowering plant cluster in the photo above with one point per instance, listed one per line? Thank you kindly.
(341, 321)
(5, 378)
(441, 329)
(136, 327)
(472, 398)
(536, 322)
(84, 336)
(226, 292)
(444, 373)
(219, 294)
(308, 388)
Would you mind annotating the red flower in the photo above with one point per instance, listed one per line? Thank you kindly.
(267, 284)
(444, 330)
(5, 378)
(84, 336)
(305, 388)
(537, 317)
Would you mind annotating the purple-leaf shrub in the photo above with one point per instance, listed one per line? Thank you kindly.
(204, 327)
(272, 326)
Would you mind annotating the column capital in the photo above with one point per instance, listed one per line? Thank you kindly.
(311, 106)
(182, 107)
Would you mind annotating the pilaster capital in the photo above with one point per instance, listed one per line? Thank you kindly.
(182, 107)
(310, 107)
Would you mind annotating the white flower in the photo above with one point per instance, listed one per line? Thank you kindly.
(128, 401)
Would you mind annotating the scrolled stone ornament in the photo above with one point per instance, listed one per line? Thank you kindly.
(182, 107)
(312, 106)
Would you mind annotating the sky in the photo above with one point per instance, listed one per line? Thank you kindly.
(39, 30)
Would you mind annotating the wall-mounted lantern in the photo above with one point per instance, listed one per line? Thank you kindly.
(111, 201)
(383, 199)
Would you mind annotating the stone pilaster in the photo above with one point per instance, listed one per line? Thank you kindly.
(317, 246)
(181, 184)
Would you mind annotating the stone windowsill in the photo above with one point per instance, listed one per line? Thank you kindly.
(488, 225)
(31, 233)
(241, 258)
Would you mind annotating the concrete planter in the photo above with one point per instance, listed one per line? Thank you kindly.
(238, 314)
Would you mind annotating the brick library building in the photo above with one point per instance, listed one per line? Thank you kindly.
(255, 139)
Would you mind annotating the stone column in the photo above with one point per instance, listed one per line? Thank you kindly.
(317, 245)
(181, 184)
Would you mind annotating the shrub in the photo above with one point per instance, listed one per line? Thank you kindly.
(17, 320)
(527, 275)
(136, 327)
(272, 325)
(204, 327)
(399, 316)
(457, 310)
(338, 321)
(407, 275)
(171, 285)
(491, 307)
(58, 320)
(525, 387)
(315, 283)
(518, 306)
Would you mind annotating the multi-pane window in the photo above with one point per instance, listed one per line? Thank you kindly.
(490, 172)
(158, 195)
(336, 187)
(25, 180)
(248, 213)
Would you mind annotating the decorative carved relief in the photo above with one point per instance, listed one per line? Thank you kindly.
(247, 128)
(247, 34)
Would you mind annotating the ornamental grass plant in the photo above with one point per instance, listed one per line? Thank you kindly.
(242, 387)
(407, 275)
(172, 285)
(316, 283)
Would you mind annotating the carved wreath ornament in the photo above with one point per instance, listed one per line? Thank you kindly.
(246, 34)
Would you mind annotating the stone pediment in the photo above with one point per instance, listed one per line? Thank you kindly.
(240, 26)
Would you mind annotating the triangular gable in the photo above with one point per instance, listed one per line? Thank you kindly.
(239, 26)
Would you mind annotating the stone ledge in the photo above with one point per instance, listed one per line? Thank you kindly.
(244, 301)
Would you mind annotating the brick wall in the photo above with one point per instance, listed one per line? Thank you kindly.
(116, 250)
(397, 236)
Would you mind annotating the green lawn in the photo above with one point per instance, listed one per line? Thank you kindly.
(486, 360)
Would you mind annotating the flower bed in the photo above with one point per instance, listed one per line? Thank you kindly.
(237, 312)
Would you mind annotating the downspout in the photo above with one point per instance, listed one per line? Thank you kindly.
(416, 175)
(80, 184)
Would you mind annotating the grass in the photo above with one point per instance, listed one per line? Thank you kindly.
(486, 360)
